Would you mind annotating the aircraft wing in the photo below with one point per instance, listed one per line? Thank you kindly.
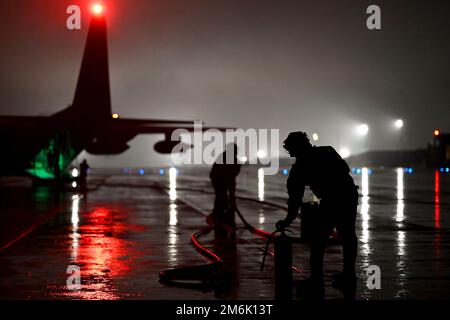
(114, 137)
(140, 126)
(13, 121)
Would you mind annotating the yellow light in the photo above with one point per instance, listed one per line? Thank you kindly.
(97, 9)
(115, 116)
(436, 132)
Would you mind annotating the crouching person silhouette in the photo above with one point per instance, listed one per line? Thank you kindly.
(327, 175)
(223, 179)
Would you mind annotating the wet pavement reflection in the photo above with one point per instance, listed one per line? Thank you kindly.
(131, 226)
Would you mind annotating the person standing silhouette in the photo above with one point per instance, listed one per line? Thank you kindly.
(84, 168)
(223, 179)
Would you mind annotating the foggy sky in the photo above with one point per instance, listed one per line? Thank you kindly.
(292, 65)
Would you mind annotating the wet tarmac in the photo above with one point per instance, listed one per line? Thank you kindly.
(131, 226)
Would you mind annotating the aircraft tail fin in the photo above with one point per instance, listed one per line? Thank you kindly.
(92, 95)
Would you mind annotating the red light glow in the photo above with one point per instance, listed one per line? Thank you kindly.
(97, 9)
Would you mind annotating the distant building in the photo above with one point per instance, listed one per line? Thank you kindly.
(439, 150)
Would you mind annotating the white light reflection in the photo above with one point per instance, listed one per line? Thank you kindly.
(401, 235)
(173, 221)
(261, 184)
(261, 217)
(365, 181)
(400, 201)
(173, 183)
(365, 217)
(172, 229)
(173, 248)
(75, 219)
(173, 234)
(401, 247)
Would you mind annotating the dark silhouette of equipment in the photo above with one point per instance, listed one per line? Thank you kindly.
(283, 267)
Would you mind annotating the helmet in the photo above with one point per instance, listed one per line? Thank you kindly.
(297, 140)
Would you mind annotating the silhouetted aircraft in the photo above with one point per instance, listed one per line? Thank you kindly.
(34, 144)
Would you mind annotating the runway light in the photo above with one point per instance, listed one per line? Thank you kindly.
(315, 137)
(75, 172)
(97, 9)
(285, 172)
(437, 132)
(115, 116)
(345, 153)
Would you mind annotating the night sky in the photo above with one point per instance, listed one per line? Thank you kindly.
(292, 65)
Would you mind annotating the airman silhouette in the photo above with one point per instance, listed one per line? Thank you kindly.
(223, 179)
(327, 175)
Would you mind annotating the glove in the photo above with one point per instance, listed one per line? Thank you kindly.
(280, 225)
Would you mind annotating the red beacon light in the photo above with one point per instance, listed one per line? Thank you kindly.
(97, 9)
